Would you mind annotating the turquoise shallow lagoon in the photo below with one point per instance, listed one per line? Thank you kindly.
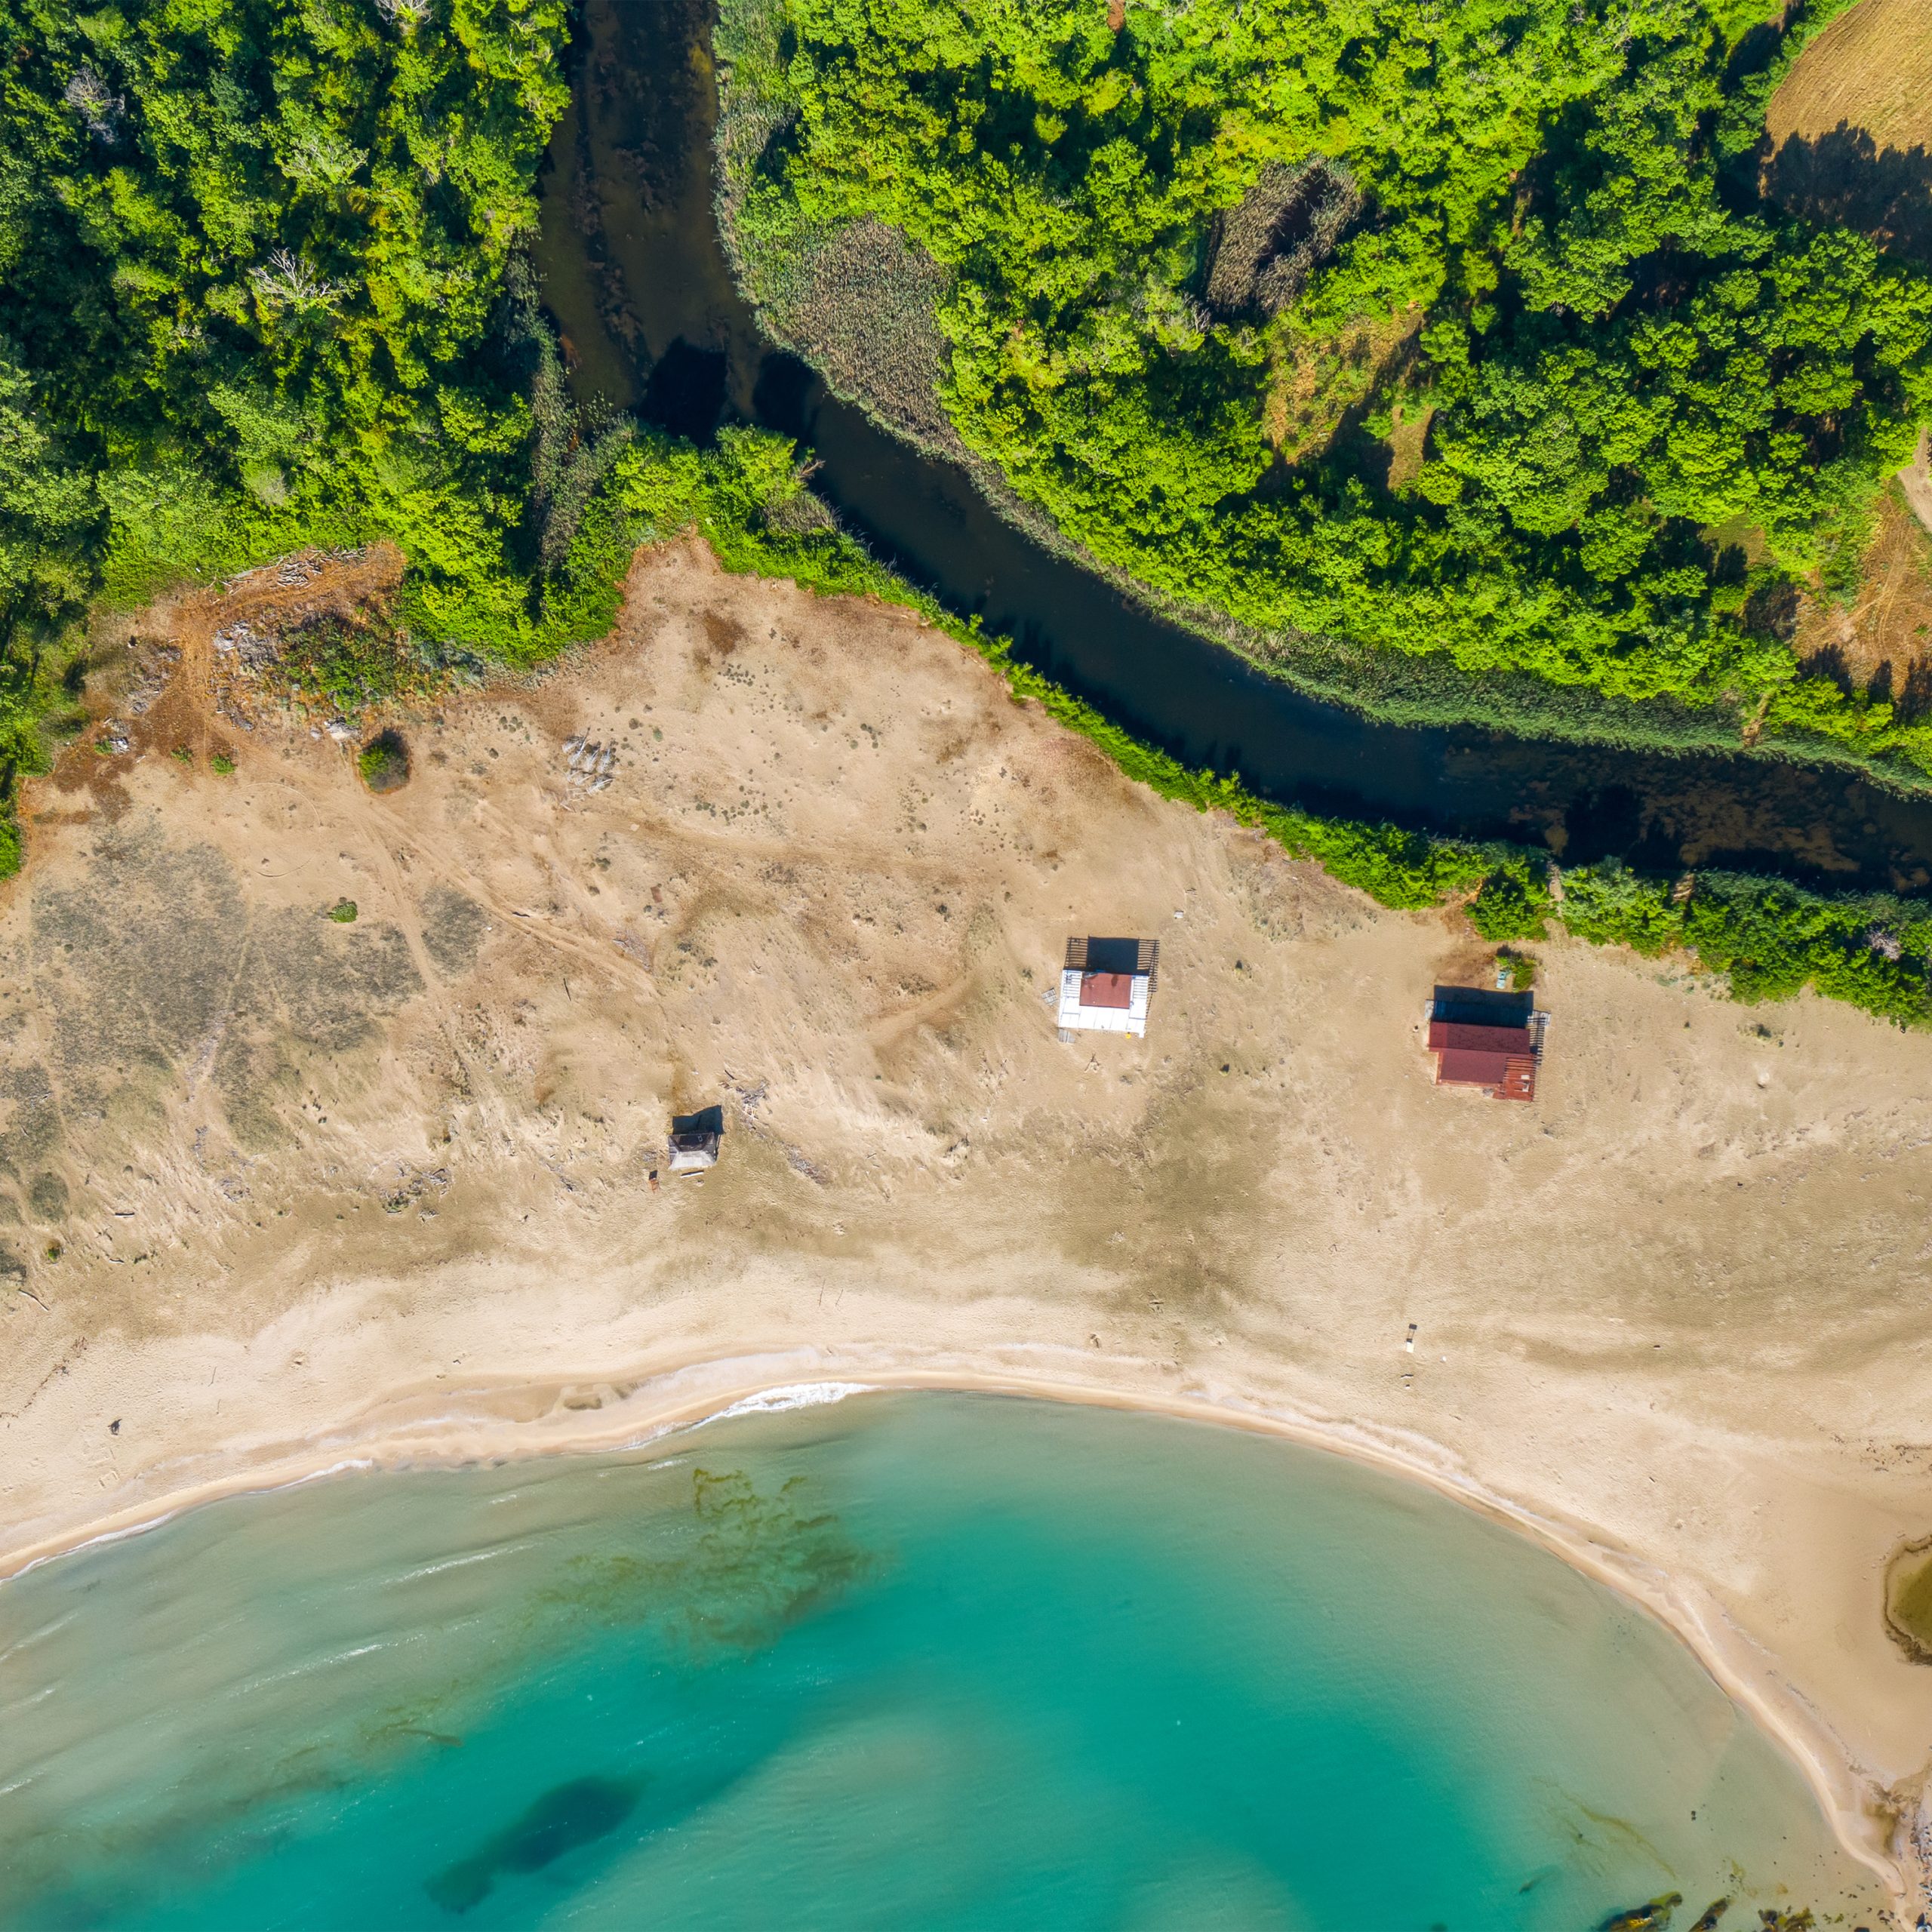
(908, 1661)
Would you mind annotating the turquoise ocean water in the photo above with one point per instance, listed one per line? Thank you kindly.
(906, 1661)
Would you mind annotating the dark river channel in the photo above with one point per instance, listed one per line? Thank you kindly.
(635, 273)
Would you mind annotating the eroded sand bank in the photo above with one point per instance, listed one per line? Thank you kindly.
(333, 1191)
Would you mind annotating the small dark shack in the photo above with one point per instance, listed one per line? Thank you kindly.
(695, 1140)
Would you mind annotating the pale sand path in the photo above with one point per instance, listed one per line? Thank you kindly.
(1915, 479)
(1671, 1317)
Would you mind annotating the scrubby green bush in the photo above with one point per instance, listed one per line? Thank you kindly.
(1613, 906)
(1513, 903)
(383, 763)
(1518, 968)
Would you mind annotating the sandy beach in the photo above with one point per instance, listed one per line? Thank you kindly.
(288, 1192)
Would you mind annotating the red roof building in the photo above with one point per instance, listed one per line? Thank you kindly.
(1110, 989)
(1105, 985)
(1502, 1060)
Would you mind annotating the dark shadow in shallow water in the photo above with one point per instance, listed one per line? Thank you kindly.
(566, 1816)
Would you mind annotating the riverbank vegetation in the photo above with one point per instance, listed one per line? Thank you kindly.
(277, 301)
(1458, 340)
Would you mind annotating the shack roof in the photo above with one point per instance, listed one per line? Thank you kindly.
(1085, 954)
(1110, 989)
(1456, 1036)
(1510, 1076)
(1479, 1006)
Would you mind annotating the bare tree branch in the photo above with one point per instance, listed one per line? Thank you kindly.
(285, 282)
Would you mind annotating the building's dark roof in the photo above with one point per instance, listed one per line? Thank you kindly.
(1481, 1006)
(1112, 955)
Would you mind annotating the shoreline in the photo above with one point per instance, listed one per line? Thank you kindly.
(707, 1389)
(387, 1199)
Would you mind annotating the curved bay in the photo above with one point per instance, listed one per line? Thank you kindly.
(917, 1659)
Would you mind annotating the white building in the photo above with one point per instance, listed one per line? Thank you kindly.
(695, 1140)
(1106, 986)
(692, 1153)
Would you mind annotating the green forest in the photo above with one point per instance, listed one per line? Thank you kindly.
(258, 289)
(1455, 331)
(264, 284)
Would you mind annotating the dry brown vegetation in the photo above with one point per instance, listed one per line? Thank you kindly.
(1871, 68)
(1318, 380)
(862, 298)
(1882, 641)
(1263, 249)
(1408, 441)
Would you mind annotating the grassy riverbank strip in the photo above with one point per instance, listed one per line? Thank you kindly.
(1768, 937)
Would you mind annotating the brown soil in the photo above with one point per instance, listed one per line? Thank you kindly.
(1870, 69)
(1317, 382)
(1916, 480)
(1408, 443)
(206, 708)
(1883, 642)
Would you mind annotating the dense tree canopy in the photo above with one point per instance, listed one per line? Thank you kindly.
(252, 292)
(1651, 400)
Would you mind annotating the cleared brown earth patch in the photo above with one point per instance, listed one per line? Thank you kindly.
(1408, 442)
(160, 682)
(1916, 480)
(1318, 380)
(1871, 68)
(1851, 128)
(1883, 642)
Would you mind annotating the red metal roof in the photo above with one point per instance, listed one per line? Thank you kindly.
(1107, 989)
(1511, 1076)
(1466, 1036)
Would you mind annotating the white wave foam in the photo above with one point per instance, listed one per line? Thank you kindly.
(460, 1562)
(794, 1396)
